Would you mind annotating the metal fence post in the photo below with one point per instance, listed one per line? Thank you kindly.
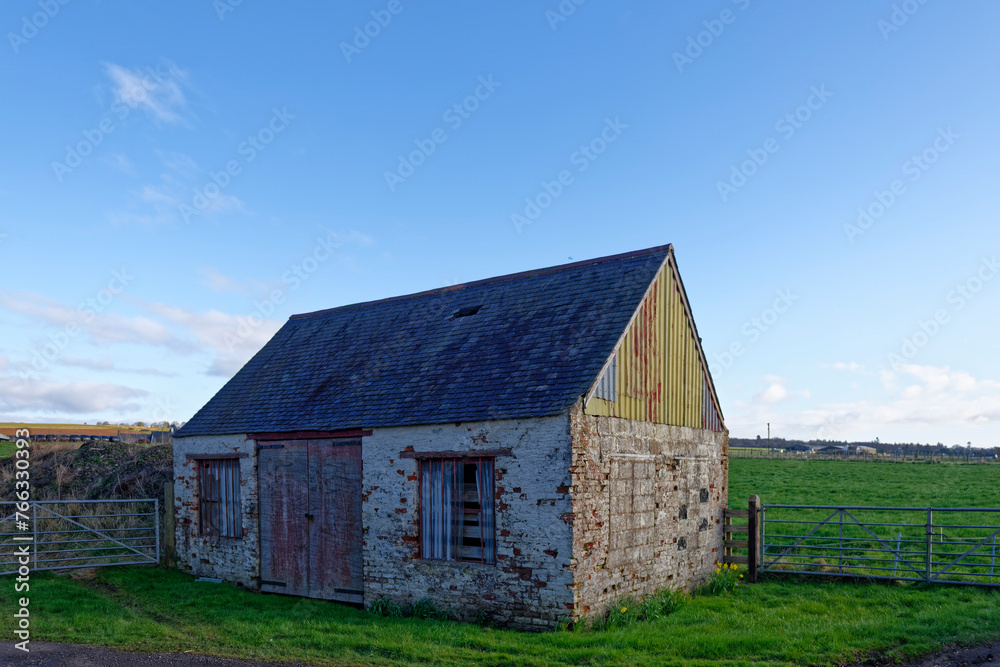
(930, 542)
(753, 538)
(840, 546)
(156, 527)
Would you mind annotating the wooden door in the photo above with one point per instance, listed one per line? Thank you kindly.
(282, 468)
(335, 528)
(310, 518)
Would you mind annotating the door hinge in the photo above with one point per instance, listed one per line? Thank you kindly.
(264, 582)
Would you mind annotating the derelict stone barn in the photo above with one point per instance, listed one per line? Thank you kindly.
(533, 446)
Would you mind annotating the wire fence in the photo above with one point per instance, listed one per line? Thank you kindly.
(943, 544)
(64, 534)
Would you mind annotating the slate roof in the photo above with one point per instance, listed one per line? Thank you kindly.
(536, 344)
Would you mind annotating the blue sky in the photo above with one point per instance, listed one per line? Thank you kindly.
(178, 178)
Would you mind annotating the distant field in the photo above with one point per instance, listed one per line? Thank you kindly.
(4, 426)
(807, 482)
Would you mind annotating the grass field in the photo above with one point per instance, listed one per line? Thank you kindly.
(860, 483)
(787, 621)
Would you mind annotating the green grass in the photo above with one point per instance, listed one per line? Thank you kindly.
(774, 623)
(7, 448)
(786, 621)
(794, 482)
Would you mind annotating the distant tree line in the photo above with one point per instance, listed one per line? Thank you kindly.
(908, 449)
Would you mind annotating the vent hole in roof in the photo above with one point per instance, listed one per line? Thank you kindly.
(467, 311)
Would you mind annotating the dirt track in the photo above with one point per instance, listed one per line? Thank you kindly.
(67, 655)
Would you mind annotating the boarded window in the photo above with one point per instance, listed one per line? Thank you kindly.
(456, 509)
(219, 481)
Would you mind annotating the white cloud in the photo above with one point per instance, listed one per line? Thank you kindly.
(157, 91)
(107, 364)
(159, 203)
(931, 399)
(776, 392)
(101, 328)
(66, 397)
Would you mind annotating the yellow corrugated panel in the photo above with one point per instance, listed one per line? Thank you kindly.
(659, 371)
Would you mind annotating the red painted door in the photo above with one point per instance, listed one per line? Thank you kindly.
(335, 527)
(310, 518)
(282, 468)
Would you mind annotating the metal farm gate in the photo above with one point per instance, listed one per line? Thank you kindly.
(952, 545)
(65, 534)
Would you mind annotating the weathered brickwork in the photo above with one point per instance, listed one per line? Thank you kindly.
(234, 560)
(647, 503)
(530, 586)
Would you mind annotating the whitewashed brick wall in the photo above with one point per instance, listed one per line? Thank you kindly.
(235, 560)
(530, 584)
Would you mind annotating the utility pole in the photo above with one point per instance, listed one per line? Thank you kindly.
(768, 436)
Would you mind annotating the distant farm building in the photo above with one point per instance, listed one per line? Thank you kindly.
(533, 446)
(801, 449)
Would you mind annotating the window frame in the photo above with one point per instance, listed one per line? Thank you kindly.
(220, 507)
(429, 497)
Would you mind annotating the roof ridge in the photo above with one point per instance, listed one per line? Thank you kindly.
(486, 281)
